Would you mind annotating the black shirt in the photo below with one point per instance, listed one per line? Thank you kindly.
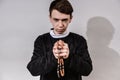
(44, 64)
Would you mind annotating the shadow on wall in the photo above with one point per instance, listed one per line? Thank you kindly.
(106, 61)
(1, 70)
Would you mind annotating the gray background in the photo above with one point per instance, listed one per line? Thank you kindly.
(21, 21)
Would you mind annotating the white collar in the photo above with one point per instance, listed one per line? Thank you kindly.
(66, 33)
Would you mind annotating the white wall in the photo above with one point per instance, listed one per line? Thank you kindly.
(21, 21)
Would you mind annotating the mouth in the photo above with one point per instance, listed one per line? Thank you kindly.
(61, 29)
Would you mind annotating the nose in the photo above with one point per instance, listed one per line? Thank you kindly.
(60, 23)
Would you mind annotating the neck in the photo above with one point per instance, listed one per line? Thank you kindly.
(56, 35)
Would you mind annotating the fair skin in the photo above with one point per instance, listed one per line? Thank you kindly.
(61, 51)
(60, 22)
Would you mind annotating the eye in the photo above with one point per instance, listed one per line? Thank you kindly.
(65, 20)
(56, 20)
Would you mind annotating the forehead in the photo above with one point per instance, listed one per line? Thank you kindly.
(59, 15)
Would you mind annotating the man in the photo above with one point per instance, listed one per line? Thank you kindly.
(59, 54)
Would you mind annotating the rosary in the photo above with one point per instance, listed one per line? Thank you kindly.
(60, 67)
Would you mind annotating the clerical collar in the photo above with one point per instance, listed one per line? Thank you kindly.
(66, 33)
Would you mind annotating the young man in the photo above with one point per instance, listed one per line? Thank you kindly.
(59, 54)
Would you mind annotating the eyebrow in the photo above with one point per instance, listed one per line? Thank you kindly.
(65, 19)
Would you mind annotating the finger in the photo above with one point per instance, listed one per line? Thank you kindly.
(56, 43)
(56, 51)
(65, 46)
(57, 56)
(63, 54)
(59, 47)
(55, 46)
(60, 42)
(65, 57)
(64, 50)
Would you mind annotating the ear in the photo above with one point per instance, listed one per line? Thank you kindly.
(70, 19)
(50, 18)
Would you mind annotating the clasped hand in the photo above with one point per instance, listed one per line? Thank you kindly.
(61, 50)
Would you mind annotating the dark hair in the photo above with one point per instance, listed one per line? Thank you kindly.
(63, 6)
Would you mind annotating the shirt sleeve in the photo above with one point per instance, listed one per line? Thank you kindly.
(79, 58)
(42, 61)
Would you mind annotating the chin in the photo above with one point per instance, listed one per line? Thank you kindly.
(60, 32)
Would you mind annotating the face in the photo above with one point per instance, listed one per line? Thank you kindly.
(59, 21)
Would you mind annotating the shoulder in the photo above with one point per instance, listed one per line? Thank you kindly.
(42, 37)
(79, 40)
(77, 36)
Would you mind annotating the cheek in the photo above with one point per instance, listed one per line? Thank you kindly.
(53, 23)
(66, 24)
